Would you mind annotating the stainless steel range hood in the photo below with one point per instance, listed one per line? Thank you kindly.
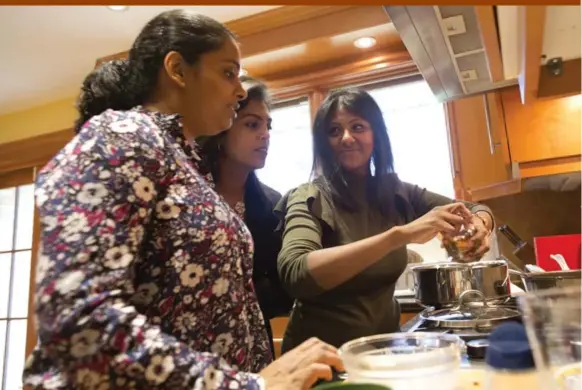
(446, 44)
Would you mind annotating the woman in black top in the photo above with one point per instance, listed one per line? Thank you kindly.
(231, 159)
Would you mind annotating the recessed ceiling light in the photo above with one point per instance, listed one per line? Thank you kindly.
(117, 7)
(365, 42)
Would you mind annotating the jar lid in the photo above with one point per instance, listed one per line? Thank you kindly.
(509, 348)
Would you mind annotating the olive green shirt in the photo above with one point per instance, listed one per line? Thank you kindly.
(363, 305)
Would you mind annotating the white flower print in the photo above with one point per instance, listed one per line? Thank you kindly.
(56, 382)
(197, 235)
(191, 275)
(43, 265)
(88, 379)
(118, 257)
(178, 191)
(73, 225)
(84, 343)
(159, 369)
(82, 196)
(124, 126)
(40, 196)
(92, 194)
(179, 259)
(144, 189)
(69, 281)
(222, 343)
(166, 209)
(185, 322)
(213, 378)
(50, 222)
(219, 237)
(220, 287)
(220, 214)
(145, 293)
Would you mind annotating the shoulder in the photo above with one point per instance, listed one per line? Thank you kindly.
(310, 197)
(272, 195)
(129, 126)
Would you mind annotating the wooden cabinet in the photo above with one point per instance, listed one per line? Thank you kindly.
(497, 142)
(542, 131)
(478, 144)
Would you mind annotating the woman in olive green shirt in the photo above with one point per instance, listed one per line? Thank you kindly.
(345, 233)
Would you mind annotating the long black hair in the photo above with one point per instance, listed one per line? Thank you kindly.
(124, 84)
(327, 171)
(254, 197)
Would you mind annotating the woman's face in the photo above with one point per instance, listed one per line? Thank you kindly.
(211, 90)
(247, 141)
(352, 141)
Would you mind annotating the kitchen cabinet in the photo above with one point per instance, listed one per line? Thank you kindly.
(543, 130)
(497, 142)
(479, 149)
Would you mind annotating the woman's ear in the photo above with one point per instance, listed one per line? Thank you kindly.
(174, 65)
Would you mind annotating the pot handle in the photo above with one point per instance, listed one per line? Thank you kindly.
(466, 293)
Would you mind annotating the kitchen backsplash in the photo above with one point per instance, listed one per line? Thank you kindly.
(537, 213)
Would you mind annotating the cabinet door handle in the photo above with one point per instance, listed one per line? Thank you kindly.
(492, 143)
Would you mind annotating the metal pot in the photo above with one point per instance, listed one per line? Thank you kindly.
(534, 281)
(441, 284)
(471, 314)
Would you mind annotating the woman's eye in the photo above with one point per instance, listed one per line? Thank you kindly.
(333, 131)
(357, 127)
(253, 125)
(231, 74)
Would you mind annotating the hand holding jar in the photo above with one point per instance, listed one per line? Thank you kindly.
(471, 242)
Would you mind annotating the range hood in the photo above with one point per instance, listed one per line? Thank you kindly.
(447, 45)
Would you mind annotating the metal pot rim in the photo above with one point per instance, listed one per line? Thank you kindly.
(440, 265)
(460, 266)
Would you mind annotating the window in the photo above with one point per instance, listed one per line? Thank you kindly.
(290, 151)
(16, 226)
(418, 135)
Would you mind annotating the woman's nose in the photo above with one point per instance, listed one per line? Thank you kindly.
(347, 137)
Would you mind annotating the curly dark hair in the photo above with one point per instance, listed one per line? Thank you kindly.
(123, 84)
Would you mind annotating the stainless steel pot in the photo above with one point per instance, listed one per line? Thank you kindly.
(534, 281)
(441, 284)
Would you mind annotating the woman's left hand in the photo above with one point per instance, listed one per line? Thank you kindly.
(480, 240)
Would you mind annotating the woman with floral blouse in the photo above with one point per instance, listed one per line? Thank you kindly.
(232, 157)
(144, 275)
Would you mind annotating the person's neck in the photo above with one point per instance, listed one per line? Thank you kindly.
(232, 179)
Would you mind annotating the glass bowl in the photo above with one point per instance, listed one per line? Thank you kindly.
(404, 361)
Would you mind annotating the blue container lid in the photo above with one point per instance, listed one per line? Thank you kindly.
(509, 348)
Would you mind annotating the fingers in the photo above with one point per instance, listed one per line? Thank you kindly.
(320, 352)
(458, 208)
(306, 377)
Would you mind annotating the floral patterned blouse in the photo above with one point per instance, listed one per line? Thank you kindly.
(144, 275)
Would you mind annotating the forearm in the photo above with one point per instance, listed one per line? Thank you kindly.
(331, 267)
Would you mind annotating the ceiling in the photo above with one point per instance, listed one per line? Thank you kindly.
(51, 49)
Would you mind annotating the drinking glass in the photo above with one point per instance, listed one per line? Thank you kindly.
(552, 319)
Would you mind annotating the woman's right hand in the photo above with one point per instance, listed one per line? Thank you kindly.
(443, 219)
(301, 367)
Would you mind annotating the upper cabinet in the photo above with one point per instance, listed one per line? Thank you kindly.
(467, 50)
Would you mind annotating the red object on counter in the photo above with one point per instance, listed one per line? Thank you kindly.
(569, 246)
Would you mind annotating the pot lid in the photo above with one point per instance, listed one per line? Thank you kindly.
(471, 314)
